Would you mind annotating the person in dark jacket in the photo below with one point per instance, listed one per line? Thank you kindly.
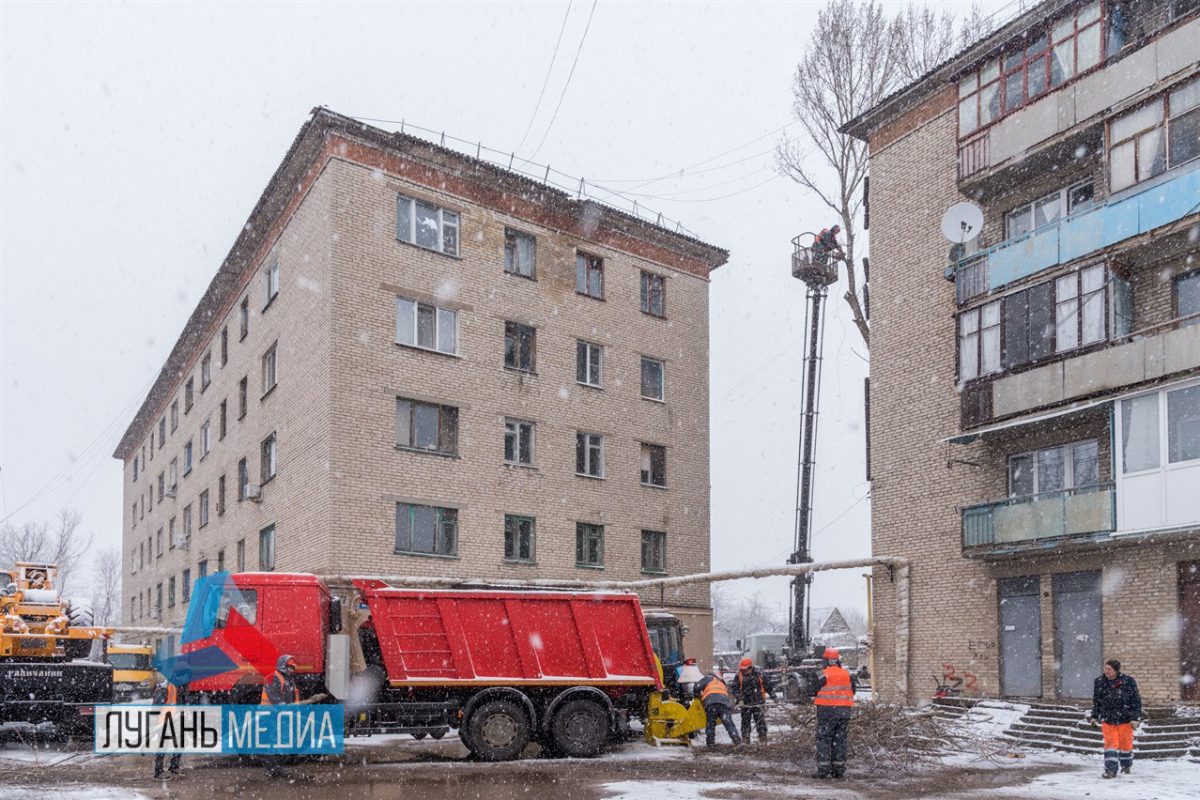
(827, 246)
(718, 705)
(171, 691)
(834, 699)
(1117, 709)
(751, 690)
(280, 689)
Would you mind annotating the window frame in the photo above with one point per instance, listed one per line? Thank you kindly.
(1176, 282)
(1065, 204)
(243, 467)
(662, 379)
(649, 281)
(512, 253)
(205, 438)
(445, 518)
(516, 336)
(270, 280)
(657, 541)
(268, 459)
(585, 365)
(203, 509)
(440, 313)
(586, 443)
(522, 432)
(270, 369)
(513, 536)
(205, 371)
(443, 224)
(1134, 139)
(586, 266)
(243, 396)
(1068, 465)
(267, 557)
(648, 450)
(447, 426)
(187, 458)
(244, 318)
(589, 530)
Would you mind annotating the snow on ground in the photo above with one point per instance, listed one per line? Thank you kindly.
(76, 792)
(1080, 776)
(665, 790)
(990, 718)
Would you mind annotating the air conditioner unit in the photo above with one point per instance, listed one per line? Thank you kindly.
(254, 492)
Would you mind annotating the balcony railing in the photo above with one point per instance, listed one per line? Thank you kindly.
(1123, 216)
(1040, 519)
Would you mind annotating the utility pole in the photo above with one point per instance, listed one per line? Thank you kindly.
(817, 268)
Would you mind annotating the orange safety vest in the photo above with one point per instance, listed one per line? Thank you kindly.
(837, 690)
(172, 695)
(275, 676)
(715, 686)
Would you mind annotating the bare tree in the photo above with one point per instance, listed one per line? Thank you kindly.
(106, 587)
(59, 541)
(975, 25)
(855, 57)
(737, 618)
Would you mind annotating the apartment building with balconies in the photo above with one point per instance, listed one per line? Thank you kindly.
(413, 362)
(1035, 388)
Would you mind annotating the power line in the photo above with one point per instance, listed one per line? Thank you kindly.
(711, 199)
(686, 170)
(546, 82)
(571, 74)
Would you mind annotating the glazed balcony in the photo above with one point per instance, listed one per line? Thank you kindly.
(1039, 521)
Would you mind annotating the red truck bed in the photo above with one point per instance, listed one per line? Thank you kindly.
(467, 637)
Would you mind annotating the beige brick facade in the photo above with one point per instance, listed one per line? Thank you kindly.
(922, 480)
(341, 370)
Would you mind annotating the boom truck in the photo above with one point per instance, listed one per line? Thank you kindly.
(44, 644)
(505, 668)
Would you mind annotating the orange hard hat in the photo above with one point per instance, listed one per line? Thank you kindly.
(831, 654)
(746, 663)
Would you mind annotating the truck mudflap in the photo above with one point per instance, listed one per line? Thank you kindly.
(63, 693)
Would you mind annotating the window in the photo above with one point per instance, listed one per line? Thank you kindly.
(426, 225)
(589, 545)
(241, 555)
(268, 370)
(1054, 469)
(426, 326)
(205, 371)
(204, 508)
(173, 470)
(1140, 433)
(171, 592)
(242, 603)
(654, 551)
(426, 529)
(654, 465)
(1183, 123)
(518, 538)
(133, 517)
(172, 534)
(205, 438)
(589, 363)
(1158, 434)
(158, 543)
(158, 600)
(1137, 150)
(1079, 308)
(220, 495)
(187, 584)
(979, 341)
(224, 345)
(244, 318)
(220, 561)
(162, 431)
(243, 478)
(1187, 297)
(266, 549)
(189, 395)
(202, 569)
(270, 280)
(221, 416)
(518, 442)
(187, 458)
(1029, 325)
(151, 443)
(426, 426)
(589, 455)
(162, 480)
(654, 294)
(652, 379)
(268, 459)
(243, 391)
(519, 251)
(520, 345)
(174, 415)
(1048, 209)
(1042, 61)
(135, 469)
(1183, 425)
(589, 275)
(187, 526)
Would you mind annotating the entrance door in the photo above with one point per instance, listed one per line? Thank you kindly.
(1189, 639)
(1020, 637)
(1078, 632)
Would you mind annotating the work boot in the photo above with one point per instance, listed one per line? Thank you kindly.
(839, 774)
(1108, 774)
(1125, 770)
(158, 773)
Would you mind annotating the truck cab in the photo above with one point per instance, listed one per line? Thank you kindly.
(666, 637)
(133, 671)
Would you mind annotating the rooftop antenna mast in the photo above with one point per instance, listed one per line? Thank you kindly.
(815, 265)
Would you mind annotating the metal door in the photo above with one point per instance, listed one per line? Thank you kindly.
(1078, 632)
(1020, 637)
(1189, 637)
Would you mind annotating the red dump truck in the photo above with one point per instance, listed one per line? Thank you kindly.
(564, 669)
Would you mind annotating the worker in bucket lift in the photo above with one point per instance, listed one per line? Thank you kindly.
(826, 246)
(718, 705)
(752, 694)
(834, 700)
(172, 691)
(1117, 709)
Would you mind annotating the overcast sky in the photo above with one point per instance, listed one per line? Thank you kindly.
(136, 138)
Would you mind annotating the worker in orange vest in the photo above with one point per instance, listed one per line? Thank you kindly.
(718, 705)
(280, 689)
(834, 699)
(826, 246)
(173, 691)
(752, 694)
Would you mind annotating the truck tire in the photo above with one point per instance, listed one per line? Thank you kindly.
(580, 728)
(497, 730)
(80, 613)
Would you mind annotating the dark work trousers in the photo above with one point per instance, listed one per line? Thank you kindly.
(719, 711)
(757, 715)
(158, 763)
(833, 727)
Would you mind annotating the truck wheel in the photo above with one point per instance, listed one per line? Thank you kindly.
(497, 731)
(418, 736)
(580, 728)
(439, 733)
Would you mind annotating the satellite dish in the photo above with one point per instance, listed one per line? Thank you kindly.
(962, 222)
